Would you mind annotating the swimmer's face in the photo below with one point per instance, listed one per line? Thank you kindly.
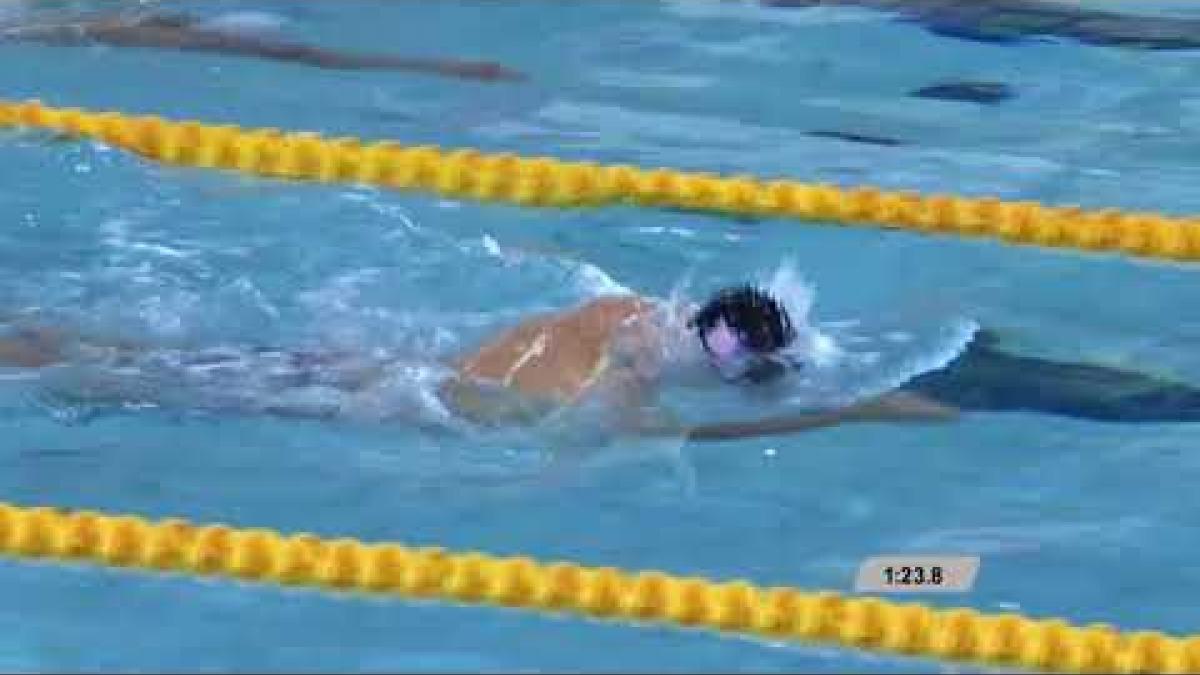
(743, 329)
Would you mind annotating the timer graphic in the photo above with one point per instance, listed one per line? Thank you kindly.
(914, 574)
(917, 574)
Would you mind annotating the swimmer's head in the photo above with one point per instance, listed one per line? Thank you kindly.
(743, 329)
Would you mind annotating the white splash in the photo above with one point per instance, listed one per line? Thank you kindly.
(594, 281)
(798, 296)
(590, 280)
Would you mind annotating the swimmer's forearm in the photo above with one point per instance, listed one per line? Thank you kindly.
(771, 426)
(469, 70)
(898, 407)
(767, 426)
(200, 39)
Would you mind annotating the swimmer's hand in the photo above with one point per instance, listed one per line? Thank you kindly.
(900, 407)
(477, 70)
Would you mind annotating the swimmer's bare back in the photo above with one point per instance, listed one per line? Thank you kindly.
(557, 356)
(182, 34)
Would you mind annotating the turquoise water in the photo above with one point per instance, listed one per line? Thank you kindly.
(1087, 521)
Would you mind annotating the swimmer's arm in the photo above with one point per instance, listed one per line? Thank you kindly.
(29, 344)
(30, 348)
(895, 407)
(639, 414)
(178, 32)
(226, 43)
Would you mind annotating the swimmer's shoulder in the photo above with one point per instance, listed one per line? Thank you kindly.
(615, 310)
(556, 356)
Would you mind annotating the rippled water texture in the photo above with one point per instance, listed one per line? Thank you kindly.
(1088, 521)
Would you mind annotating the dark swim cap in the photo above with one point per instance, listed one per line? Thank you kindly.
(759, 320)
(741, 328)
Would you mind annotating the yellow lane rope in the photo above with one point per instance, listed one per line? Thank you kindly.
(266, 556)
(549, 182)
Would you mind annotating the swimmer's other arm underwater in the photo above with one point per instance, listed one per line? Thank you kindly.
(183, 33)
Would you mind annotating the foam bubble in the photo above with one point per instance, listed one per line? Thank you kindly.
(246, 23)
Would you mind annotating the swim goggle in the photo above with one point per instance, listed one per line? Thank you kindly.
(736, 362)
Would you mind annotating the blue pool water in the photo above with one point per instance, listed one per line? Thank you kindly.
(1083, 520)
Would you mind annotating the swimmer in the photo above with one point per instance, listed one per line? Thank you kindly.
(619, 350)
(1010, 20)
(183, 33)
